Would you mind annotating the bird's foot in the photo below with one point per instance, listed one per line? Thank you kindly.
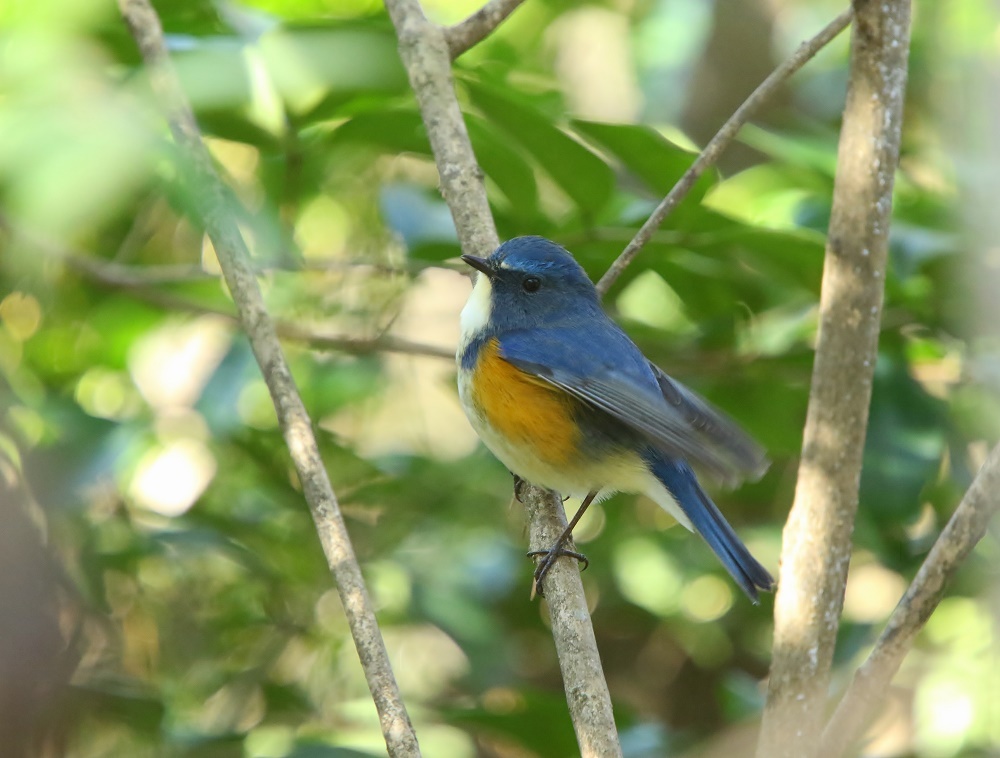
(547, 561)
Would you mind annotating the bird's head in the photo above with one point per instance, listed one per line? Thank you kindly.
(527, 282)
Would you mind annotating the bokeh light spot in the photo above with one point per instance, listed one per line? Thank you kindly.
(591, 524)
(649, 300)
(172, 364)
(171, 478)
(21, 315)
(945, 712)
(707, 598)
(647, 576)
(872, 593)
(104, 393)
(323, 228)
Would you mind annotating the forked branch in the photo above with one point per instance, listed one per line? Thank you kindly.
(478, 26)
(817, 537)
(965, 528)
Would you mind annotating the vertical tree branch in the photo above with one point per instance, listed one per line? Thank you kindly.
(966, 527)
(817, 538)
(234, 259)
(426, 56)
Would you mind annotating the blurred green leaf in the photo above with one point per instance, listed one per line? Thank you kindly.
(580, 173)
(396, 130)
(316, 67)
(648, 154)
(533, 719)
(811, 151)
(317, 750)
(122, 701)
(403, 131)
(504, 165)
(905, 442)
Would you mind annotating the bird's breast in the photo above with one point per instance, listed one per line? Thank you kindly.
(516, 411)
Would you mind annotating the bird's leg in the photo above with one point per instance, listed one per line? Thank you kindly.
(519, 485)
(557, 549)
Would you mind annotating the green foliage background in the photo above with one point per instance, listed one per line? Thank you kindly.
(164, 592)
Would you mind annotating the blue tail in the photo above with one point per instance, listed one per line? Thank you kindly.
(680, 481)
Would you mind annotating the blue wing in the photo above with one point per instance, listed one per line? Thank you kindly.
(611, 374)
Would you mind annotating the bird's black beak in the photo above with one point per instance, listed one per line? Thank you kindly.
(480, 264)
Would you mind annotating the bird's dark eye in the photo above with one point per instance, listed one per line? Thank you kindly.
(531, 283)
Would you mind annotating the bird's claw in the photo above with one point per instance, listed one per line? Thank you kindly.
(547, 562)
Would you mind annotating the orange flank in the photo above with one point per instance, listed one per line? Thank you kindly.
(523, 408)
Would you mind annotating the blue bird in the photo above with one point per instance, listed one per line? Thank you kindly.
(561, 395)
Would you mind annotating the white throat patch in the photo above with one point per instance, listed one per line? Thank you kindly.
(476, 313)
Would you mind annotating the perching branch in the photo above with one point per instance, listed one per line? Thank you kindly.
(576, 646)
(426, 56)
(234, 258)
(817, 537)
(478, 26)
(717, 145)
(966, 527)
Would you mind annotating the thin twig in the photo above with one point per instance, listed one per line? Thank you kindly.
(968, 523)
(473, 30)
(425, 54)
(132, 275)
(714, 149)
(179, 273)
(140, 282)
(816, 543)
(234, 259)
(384, 343)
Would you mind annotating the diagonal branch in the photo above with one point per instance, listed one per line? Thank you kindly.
(714, 149)
(966, 527)
(816, 544)
(426, 56)
(478, 26)
(234, 258)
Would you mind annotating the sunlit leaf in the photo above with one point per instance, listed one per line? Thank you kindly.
(647, 154)
(580, 173)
